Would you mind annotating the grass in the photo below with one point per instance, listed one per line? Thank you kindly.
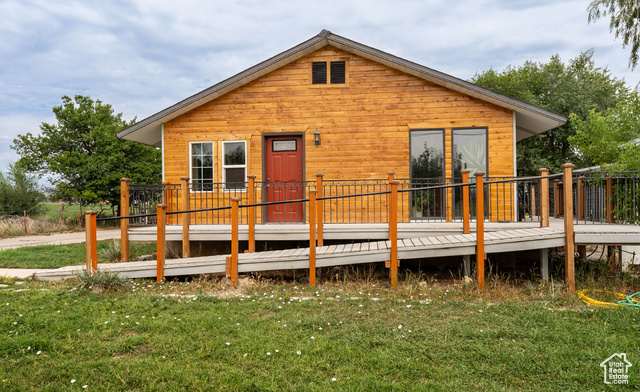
(56, 256)
(199, 335)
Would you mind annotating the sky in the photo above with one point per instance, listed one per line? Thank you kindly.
(141, 56)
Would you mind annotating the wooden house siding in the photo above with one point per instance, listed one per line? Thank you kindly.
(364, 123)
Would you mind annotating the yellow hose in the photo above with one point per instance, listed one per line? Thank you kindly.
(623, 300)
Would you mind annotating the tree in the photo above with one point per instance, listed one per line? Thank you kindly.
(19, 192)
(564, 89)
(82, 156)
(611, 138)
(624, 21)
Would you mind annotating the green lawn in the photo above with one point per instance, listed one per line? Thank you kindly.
(200, 336)
(56, 256)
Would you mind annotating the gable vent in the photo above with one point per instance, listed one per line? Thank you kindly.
(319, 72)
(337, 72)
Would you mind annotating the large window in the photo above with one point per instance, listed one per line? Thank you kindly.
(427, 169)
(469, 151)
(234, 164)
(201, 164)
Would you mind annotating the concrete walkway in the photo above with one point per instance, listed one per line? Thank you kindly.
(52, 239)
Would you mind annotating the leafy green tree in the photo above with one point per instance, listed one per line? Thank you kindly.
(19, 192)
(82, 156)
(576, 87)
(624, 21)
(611, 138)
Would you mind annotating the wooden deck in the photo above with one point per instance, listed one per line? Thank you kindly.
(501, 238)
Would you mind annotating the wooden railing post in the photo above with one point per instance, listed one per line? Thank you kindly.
(124, 223)
(91, 241)
(465, 203)
(532, 190)
(162, 245)
(251, 217)
(557, 200)
(391, 175)
(544, 197)
(569, 248)
(234, 241)
(581, 207)
(312, 237)
(166, 195)
(480, 256)
(393, 232)
(186, 218)
(320, 209)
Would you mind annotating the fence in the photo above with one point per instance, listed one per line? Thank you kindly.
(315, 207)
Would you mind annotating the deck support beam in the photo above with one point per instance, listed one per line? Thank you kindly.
(466, 263)
(544, 264)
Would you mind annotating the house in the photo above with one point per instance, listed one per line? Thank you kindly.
(334, 106)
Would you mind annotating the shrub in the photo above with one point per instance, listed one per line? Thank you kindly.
(102, 280)
(19, 192)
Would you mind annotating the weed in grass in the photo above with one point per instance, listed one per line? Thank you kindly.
(102, 280)
(112, 253)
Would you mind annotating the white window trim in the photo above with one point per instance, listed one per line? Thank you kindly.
(213, 167)
(224, 172)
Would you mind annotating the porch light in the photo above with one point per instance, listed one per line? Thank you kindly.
(316, 136)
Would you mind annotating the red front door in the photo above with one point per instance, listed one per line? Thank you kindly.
(284, 178)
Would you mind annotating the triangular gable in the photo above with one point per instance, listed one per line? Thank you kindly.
(530, 119)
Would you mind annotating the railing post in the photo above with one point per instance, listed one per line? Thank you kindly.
(186, 218)
(91, 241)
(166, 196)
(124, 223)
(465, 203)
(312, 237)
(580, 201)
(480, 256)
(234, 241)
(557, 200)
(569, 248)
(532, 190)
(251, 217)
(320, 209)
(609, 200)
(391, 175)
(544, 197)
(162, 246)
(393, 232)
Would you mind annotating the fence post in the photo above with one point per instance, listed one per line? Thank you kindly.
(186, 218)
(251, 217)
(91, 241)
(124, 223)
(234, 241)
(320, 208)
(569, 248)
(162, 246)
(465, 203)
(312, 237)
(480, 256)
(544, 197)
(393, 232)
